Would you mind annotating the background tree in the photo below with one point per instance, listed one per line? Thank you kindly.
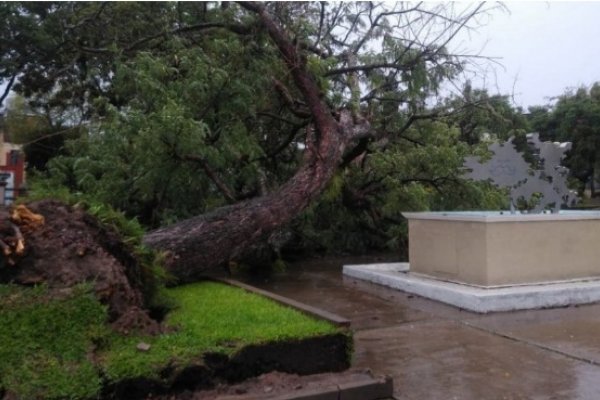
(477, 113)
(576, 118)
(42, 134)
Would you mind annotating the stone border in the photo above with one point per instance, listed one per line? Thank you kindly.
(364, 389)
(478, 299)
(303, 308)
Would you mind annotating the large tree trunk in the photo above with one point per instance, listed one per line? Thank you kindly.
(207, 241)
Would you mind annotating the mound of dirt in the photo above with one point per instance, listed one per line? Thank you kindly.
(63, 246)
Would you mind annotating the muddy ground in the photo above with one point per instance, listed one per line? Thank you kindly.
(64, 246)
(272, 385)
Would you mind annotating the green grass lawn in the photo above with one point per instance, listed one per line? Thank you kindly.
(59, 348)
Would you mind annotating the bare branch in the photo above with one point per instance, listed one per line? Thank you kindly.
(322, 15)
(58, 133)
(8, 87)
(293, 104)
(236, 28)
(212, 175)
(91, 18)
(368, 67)
(375, 23)
(461, 26)
(287, 141)
(276, 117)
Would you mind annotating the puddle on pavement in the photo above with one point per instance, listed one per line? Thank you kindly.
(429, 348)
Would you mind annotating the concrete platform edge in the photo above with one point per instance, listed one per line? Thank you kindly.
(480, 300)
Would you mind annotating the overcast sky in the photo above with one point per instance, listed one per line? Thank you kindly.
(545, 47)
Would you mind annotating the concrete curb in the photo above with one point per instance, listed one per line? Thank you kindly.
(365, 389)
(478, 299)
(304, 308)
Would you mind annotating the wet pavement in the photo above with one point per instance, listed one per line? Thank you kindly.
(434, 351)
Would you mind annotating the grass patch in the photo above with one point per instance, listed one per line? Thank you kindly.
(210, 317)
(46, 344)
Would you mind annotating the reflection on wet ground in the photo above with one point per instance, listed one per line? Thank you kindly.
(434, 351)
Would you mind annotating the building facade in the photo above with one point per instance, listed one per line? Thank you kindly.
(12, 171)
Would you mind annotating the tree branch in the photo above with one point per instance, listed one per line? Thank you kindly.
(321, 17)
(360, 148)
(235, 28)
(323, 120)
(8, 87)
(366, 68)
(212, 175)
(289, 100)
(375, 23)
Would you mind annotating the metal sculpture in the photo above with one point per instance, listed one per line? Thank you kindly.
(546, 180)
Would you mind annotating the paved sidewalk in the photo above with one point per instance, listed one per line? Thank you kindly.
(434, 351)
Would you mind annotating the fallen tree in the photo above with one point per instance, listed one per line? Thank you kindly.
(200, 244)
(349, 75)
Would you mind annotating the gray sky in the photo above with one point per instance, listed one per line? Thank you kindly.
(545, 47)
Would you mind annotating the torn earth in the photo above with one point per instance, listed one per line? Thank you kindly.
(48, 242)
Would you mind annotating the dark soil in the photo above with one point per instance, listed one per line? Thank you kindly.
(309, 356)
(71, 247)
(271, 385)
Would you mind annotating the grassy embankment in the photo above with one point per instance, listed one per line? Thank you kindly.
(63, 348)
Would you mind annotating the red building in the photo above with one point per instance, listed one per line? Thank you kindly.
(12, 171)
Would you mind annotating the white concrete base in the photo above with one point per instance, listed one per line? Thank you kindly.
(478, 299)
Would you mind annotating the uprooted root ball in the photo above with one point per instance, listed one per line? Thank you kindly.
(61, 246)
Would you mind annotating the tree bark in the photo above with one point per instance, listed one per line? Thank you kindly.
(202, 243)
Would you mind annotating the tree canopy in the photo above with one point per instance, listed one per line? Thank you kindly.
(189, 107)
(575, 118)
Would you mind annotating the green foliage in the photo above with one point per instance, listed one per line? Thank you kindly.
(65, 52)
(362, 207)
(189, 118)
(45, 342)
(192, 119)
(41, 134)
(480, 116)
(575, 118)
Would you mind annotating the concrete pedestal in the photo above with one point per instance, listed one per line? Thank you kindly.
(490, 249)
(485, 262)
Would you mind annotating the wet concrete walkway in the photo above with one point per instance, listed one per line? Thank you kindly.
(435, 351)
